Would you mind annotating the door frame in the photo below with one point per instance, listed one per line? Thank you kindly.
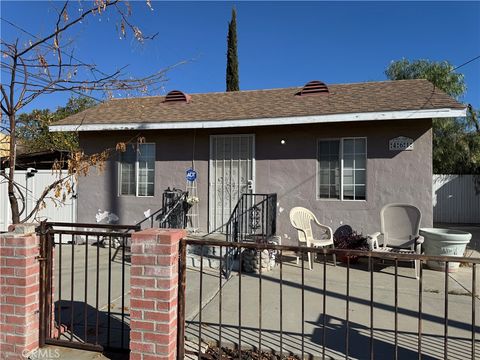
(210, 167)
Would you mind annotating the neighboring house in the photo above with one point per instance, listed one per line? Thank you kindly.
(39, 160)
(4, 145)
(342, 151)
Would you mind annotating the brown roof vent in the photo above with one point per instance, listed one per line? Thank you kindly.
(313, 88)
(176, 96)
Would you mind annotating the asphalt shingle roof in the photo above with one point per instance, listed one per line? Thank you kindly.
(275, 103)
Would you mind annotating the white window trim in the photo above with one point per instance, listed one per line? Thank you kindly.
(119, 192)
(317, 182)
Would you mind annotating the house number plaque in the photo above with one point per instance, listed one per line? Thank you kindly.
(401, 143)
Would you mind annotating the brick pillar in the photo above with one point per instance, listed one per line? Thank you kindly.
(19, 292)
(154, 288)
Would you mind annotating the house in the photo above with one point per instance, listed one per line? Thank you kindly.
(39, 160)
(341, 150)
(4, 144)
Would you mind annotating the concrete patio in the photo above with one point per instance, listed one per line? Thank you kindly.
(459, 311)
(459, 307)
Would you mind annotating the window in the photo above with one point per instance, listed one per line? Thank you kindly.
(137, 170)
(342, 167)
(329, 169)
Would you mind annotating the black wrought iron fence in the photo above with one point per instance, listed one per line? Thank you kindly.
(89, 291)
(357, 307)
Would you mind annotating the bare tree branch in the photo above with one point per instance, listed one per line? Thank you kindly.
(91, 66)
(57, 40)
(45, 192)
(4, 98)
(33, 71)
(12, 77)
(17, 186)
(68, 25)
(136, 31)
(24, 89)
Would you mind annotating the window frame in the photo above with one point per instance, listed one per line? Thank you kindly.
(341, 162)
(137, 173)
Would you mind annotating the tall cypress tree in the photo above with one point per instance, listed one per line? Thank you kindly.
(232, 57)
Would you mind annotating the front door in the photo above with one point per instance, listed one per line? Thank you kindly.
(231, 174)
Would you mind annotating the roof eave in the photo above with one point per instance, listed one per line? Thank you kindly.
(291, 120)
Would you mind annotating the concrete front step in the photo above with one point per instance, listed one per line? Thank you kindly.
(211, 253)
(194, 261)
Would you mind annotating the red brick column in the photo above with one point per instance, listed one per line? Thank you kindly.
(154, 288)
(19, 292)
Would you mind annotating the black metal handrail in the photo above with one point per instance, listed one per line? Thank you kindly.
(172, 214)
(176, 213)
(254, 218)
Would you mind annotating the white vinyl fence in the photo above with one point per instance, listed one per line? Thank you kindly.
(33, 188)
(456, 199)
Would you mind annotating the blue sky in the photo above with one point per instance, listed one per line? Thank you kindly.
(281, 44)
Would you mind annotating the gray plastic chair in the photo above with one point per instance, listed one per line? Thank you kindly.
(400, 224)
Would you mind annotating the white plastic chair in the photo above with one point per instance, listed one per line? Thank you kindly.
(301, 219)
(400, 224)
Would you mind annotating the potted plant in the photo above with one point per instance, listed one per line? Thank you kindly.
(192, 200)
(350, 240)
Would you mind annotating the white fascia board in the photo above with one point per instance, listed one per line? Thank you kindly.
(295, 120)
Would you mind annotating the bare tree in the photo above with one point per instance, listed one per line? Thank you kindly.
(46, 64)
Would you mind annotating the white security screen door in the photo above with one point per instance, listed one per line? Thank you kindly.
(231, 175)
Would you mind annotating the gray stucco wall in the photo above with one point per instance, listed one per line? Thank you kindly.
(289, 170)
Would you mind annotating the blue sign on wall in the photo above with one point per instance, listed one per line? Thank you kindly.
(191, 175)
